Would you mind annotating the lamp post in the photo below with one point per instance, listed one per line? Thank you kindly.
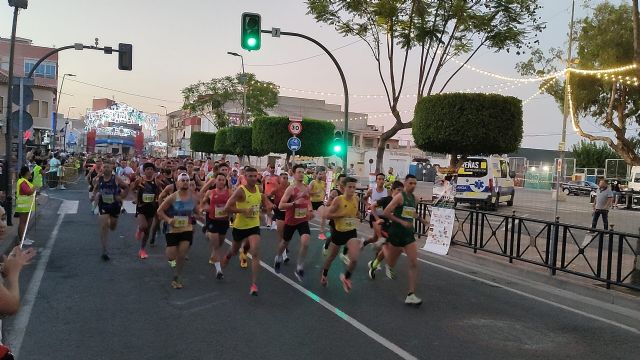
(58, 106)
(66, 125)
(166, 118)
(244, 87)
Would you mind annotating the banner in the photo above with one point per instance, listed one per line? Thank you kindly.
(440, 230)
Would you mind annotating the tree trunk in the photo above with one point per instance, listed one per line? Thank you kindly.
(383, 142)
(453, 162)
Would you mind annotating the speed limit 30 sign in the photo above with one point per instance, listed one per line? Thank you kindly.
(295, 128)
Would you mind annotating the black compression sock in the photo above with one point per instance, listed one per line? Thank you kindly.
(325, 272)
(347, 274)
(345, 250)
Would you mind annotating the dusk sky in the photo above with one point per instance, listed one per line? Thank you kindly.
(177, 43)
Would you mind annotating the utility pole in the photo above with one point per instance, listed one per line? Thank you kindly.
(244, 88)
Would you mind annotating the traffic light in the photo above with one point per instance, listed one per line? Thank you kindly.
(250, 31)
(337, 145)
(125, 56)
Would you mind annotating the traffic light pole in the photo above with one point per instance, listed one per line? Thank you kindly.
(345, 133)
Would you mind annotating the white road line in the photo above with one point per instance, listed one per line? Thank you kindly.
(68, 207)
(16, 336)
(515, 291)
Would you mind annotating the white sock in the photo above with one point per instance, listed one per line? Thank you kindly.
(300, 267)
(217, 265)
(278, 258)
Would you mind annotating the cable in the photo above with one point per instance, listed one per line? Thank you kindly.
(592, 132)
(124, 92)
(304, 59)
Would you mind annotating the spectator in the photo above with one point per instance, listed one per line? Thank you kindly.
(601, 205)
(54, 171)
(24, 202)
(615, 188)
(351, 171)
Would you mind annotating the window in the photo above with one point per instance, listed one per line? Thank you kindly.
(504, 169)
(34, 108)
(473, 168)
(44, 109)
(47, 69)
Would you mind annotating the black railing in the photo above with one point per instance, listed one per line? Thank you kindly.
(607, 256)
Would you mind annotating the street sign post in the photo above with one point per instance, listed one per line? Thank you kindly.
(295, 128)
(294, 144)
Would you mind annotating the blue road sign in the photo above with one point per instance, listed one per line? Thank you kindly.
(294, 143)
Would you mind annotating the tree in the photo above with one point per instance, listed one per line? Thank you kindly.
(468, 124)
(211, 99)
(203, 142)
(589, 154)
(222, 145)
(605, 40)
(239, 139)
(270, 135)
(439, 29)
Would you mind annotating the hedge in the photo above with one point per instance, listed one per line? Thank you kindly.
(203, 142)
(270, 135)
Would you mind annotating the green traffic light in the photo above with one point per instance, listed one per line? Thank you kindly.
(251, 42)
(337, 149)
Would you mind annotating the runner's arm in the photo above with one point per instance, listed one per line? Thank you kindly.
(333, 211)
(268, 205)
(230, 207)
(368, 195)
(284, 204)
(162, 215)
(206, 187)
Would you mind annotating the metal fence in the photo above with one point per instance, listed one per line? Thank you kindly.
(606, 256)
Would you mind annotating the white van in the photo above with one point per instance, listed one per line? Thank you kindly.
(486, 181)
(634, 179)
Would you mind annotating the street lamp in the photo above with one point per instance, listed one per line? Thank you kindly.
(166, 119)
(58, 106)
(244, 86)
(66, 124)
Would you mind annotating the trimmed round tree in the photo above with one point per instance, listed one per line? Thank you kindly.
(203, 142)
(468, 124)
(271, 133)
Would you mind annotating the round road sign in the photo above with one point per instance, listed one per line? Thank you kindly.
(295, 128)
(294, 143)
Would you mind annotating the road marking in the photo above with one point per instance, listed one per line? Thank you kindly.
(351, 321)
(196, 309)
(515, 291)
(184, 302)
(16, 336)
(68, 207)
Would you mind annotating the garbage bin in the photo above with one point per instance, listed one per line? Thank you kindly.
(419, 171)
(429, 173)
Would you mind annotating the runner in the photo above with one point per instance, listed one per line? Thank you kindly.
(245, 203)
(270, 183)
(298, 211)
(179, 211)
(380, 227)
(217, 224)
(402, 212)
(146, 205)
(337, 191)
(344, 212)
(109, 191)
(374, 194)
(279, 215)
(317, 189)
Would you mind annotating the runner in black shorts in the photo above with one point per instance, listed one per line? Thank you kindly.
(217, 225)
(278, 215)
(146, 205)
(109, 190)
(332, 195)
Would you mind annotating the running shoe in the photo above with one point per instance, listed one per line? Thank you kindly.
(285, 257)
(105, 257)
(323, 280)
(388, 270)
(152, 242)
(176, 283)
(253, 290)
(325, 251)
(219, 275)
(412, 299)
(372, 270)
(276, 266)
(62, 187)
(142, 254)
(138, 234)
(27, 242)
(345, 259)
(212, 261)
(172, 263)
(346, 283)
(299, 273)
(322, 236)
(244, 263)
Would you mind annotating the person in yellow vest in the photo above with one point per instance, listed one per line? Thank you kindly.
(37, 175)
(25, 192)
(391, 177)
(246, 202)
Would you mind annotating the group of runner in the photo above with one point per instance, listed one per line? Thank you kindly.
(171, 195)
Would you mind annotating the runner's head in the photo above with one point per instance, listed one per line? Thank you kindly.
(380, 180)
(271, 168)
(341, 181)
(149, 170)
(350, 186)
(224, 169)
(252, 176)
(284, 180)
(24, 172)
(183, 181)
(396, 188)
(320, 175)
(181, 169)
(298, 172)
(410, 183)
(221, 180)
(107, 167)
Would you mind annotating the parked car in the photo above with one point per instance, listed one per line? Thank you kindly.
(579, 187)
(486, 181)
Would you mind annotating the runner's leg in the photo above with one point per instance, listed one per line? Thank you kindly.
(412, 256)
(254, 250)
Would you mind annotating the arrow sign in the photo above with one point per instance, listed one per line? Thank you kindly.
(295, 128)
(294, 143)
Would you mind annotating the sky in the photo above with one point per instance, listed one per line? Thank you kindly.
(177, 43)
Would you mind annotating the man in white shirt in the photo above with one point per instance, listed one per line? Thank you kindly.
(55, 169)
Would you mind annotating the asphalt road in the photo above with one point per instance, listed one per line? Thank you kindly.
(78, 307)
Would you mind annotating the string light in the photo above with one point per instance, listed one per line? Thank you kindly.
(540, 91)
(605, 71)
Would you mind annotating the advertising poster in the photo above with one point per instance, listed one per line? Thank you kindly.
(440, 230)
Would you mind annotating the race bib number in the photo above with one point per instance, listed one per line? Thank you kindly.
(379, 210)
(108, 198)
(300, 213)
(148, 198)
(255, 211)
(349, 223)
(180, 221)
(408, 212)
(219, 212)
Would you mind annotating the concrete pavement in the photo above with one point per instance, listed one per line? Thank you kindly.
(86, 309)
